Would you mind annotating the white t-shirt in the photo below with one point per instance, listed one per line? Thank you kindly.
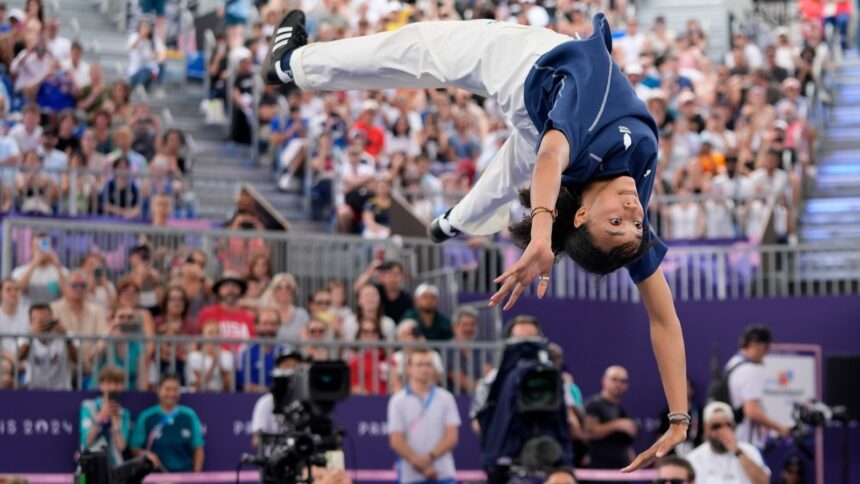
(48, 365)
(18, 322)
(144, 54)
(200, 362)
(44, 283)
(26, 141)
(264, 419)
(714, 468)
(423, 422)
(60, 47)
(746, 383)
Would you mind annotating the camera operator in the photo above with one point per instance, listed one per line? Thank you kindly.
(264, 419)
(104, 423)
(521, 327)
(722, 458)
(746, 386)
(422, 425)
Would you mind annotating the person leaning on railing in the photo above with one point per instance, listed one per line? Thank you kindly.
(48, 353)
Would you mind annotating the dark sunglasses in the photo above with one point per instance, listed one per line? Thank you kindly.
(322, 302)
(316, 331)
(79, 285)
(718, 426)
(670, 481)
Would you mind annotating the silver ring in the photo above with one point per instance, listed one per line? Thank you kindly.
(544, 278)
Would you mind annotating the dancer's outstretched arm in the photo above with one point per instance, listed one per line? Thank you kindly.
(668, 343)
(538, 258)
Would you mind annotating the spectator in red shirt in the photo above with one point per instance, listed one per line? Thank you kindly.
(368, 367)
(374, 134)
(233, 321)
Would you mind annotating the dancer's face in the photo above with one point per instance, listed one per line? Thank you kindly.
(614, 215)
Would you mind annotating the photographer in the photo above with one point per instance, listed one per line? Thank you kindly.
(746, 386)
(723, 458)
(104, 423)
(264, 420)
(422, 424)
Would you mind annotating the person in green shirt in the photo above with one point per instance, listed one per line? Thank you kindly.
(169, 434)
(434, 325)
(104, 424)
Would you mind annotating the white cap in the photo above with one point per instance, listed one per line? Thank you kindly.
(634, 68)
(370, 105)
(421, 289)
(17, 14)
(718, 409)
(686, 96)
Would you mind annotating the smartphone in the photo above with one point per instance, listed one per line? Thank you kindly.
(45, 244)
(50, 325)
(113, 396)
(334, 460)
(99, 272)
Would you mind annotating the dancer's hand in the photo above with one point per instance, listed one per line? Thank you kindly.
(536, 261)
(674, 436)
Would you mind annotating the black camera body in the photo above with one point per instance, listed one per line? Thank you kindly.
(304, 400)
(524, 427)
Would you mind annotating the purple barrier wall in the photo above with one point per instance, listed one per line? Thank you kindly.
(599, 334)
(39, 430)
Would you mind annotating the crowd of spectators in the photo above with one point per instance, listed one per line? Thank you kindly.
(171, 294)
(74, 143)
(734, 131)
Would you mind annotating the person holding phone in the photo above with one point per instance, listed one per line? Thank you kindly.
(43, 277)
(104, 424)
(49, 356)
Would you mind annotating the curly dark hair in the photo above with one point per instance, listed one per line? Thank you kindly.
(576, 242)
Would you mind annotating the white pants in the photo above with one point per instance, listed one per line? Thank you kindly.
(487, 58)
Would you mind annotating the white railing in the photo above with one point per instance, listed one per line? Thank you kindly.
(695, 273)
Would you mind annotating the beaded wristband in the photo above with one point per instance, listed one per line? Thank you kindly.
(678, 418)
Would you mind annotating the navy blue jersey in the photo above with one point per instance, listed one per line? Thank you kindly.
(577, 88)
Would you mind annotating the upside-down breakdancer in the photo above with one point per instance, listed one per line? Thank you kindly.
(568, 102)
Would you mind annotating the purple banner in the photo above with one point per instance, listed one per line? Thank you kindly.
(596, 335)
(39, 430)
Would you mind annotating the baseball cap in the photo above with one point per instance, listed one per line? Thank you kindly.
(288, 351)
(686, 97)
(718, 409)
(16, 14)
(421, 289)
(633, 69)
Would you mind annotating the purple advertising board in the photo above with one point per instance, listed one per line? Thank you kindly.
(38, 430)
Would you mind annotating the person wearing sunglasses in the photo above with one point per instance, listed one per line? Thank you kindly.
(80, 316)
(672, 469)
(722, 458)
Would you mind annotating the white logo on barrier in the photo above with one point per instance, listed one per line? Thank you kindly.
(372, 428)
(30, 427)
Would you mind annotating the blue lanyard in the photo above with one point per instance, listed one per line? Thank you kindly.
(425, 404)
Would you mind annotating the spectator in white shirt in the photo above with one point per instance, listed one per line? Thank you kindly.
(722, 459)
(53, 160)
(210, 369)
(32, 66)
(633, 44)
(10, 154)
(145, 54)
(77, 67)
(422, 424)
(751, 51)
(59, 47)
(43, 276)
(28, 134)
(13, 316)
(50, 359)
